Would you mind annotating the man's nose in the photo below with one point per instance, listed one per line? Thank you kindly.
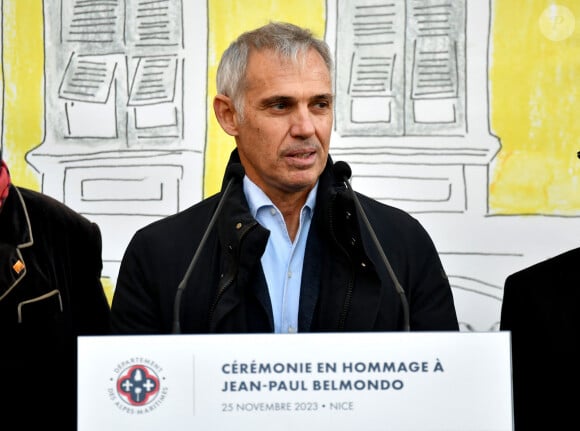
(302, 123)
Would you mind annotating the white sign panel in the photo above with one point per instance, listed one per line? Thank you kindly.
(369, 381)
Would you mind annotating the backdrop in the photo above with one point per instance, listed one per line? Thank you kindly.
(461, 113)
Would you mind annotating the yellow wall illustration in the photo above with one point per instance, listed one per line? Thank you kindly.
(533, 99)
(534, 106)
(22, 65)
(533, 93)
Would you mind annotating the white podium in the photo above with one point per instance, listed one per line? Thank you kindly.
(300, 382)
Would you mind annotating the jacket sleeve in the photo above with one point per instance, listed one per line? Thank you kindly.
(135, 306)
(432, 306)
(91, 308)
(417, 265)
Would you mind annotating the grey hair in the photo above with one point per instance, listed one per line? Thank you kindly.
(285, 39)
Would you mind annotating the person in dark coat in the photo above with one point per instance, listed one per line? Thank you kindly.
(289, 251)
(50, 293)
(540, 308)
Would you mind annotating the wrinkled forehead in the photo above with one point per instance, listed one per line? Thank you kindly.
(268, 67)
(304, 57)
(258, 54)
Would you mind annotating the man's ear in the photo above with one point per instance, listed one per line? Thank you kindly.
(225, 113)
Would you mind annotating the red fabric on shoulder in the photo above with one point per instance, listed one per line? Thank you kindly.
(4, 182)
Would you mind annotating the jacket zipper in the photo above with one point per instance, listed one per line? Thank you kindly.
(228, 279)
(350, 285)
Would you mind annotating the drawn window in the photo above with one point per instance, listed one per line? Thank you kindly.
(400, 67)
(124, 65)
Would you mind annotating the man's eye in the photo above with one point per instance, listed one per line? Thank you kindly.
(279, 105)
(322, 105)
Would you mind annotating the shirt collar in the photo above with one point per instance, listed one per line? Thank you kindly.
(258, 199)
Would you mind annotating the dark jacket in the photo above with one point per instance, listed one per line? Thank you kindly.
(345, 286)
(50, 292)
(540, 308)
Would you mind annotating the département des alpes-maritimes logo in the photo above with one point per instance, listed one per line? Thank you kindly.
(138, 386)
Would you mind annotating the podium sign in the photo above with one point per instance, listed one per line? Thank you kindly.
(300, 382)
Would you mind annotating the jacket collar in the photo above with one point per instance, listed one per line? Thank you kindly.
(16, 234)
(14, 220)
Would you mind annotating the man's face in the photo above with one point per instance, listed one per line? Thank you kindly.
(284, 136)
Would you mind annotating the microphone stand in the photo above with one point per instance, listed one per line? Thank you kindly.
(344, 172)
(235, 171)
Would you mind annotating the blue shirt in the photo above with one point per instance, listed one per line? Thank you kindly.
(283, 259)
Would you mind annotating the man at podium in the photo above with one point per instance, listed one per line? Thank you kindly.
(286, 246)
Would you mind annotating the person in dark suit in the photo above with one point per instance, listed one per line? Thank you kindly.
(289, 252)
(50, 293)
(540, 308)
